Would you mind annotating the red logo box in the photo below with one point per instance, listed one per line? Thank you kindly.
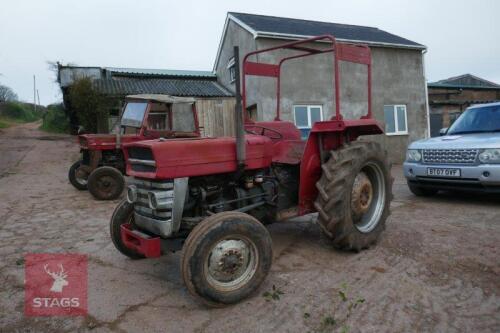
(55, 284)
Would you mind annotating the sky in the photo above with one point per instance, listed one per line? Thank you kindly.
(461, 36)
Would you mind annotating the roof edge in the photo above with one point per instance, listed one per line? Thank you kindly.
(456, 86)
(276, 35)
(246, 27)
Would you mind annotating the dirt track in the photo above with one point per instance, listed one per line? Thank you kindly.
(436, 268)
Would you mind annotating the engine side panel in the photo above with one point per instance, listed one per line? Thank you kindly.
(207, 156)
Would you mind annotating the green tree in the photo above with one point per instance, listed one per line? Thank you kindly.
(90, 106)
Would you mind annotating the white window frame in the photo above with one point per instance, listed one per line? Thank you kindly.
(231, 69)
(396, 123)
(308, 106)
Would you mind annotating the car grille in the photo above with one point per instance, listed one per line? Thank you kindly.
(141, 206)
(450, 156)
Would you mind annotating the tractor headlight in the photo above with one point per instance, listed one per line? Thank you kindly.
(132, 194)
(490, 156)
(153, 202)
(413, 155)
(160, 199)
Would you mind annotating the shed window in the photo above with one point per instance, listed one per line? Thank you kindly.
(231, 69)
(396, 120)
(305, 116)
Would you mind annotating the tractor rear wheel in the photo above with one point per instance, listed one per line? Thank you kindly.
(226, 257)
(124, 213)
(78, 175)
(355, 191)
(106, 183)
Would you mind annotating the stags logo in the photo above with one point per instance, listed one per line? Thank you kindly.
(55, 285)
(59, 279)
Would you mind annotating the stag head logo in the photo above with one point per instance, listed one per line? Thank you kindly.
(59, 279)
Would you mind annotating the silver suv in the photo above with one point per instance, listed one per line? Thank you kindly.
(465, 157)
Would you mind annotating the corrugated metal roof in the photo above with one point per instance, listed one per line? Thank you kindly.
(267, 25)
(465, 81)
(162, 72)
(174, 87)
(162, 98)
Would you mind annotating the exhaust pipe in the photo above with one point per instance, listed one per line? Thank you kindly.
(239, 126)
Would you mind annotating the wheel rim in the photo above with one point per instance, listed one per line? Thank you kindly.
(231, 263)
(81, 176)
(368, 197)
(106, 185)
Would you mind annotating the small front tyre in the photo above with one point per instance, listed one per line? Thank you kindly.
(106, 183)
(124, 213)
(78, 175)
(226, 257)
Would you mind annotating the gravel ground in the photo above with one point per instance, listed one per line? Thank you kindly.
(436, 268)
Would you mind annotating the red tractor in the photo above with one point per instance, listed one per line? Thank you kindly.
(212, 196)
(101, 168)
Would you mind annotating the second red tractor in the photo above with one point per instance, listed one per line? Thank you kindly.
(147, 116)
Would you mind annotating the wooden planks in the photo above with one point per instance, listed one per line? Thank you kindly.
(216, 116)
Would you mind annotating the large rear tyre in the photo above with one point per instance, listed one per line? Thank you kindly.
(421, 191)
(124, 213)
(355, 191)
(106, 183)
(78, 175)
(225, 258)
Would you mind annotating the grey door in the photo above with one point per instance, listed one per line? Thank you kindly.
(436, 120)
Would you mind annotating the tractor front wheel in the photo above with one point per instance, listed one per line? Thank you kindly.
(355, 191)
(124, 213)
(78, 175)
(106, 183)
(226, 257)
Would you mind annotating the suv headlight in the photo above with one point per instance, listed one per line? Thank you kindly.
(413, 155)
(490, 156)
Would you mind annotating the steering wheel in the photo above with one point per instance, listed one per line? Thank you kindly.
(263, 130)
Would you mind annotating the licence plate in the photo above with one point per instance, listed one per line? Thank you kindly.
(441, 172)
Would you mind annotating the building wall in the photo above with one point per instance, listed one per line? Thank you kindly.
(397, 78)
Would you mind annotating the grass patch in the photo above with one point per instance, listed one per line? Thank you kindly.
(55, 120)
(16, 112)
(8, 121)
(3, 124)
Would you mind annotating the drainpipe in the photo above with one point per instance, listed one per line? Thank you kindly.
(426, 97)
(239, 127)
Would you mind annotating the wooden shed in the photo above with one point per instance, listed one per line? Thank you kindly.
(214, 103)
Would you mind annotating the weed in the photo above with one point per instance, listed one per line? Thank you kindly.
(328, 321)
(274, 294)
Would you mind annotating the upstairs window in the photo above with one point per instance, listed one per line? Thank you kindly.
(396, 121)
(231, 69)
(305, 116)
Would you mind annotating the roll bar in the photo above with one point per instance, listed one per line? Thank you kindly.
(344, 52)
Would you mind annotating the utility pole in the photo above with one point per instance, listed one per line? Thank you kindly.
(34, 92)
(38, 95)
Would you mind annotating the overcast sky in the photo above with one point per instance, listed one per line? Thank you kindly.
(461, 36)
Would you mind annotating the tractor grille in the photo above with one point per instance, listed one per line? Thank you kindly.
(141, 159)
(450, 156)
(141, 206)
(140, 153)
